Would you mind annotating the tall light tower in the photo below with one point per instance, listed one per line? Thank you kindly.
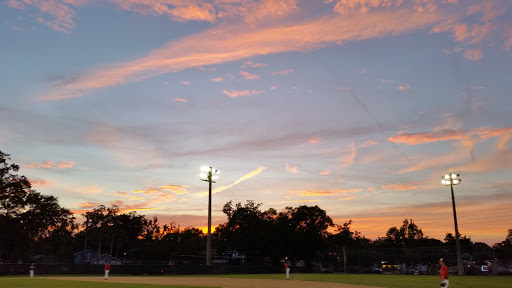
(210, 175)
(450, 180)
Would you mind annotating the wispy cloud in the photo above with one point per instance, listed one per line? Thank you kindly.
(406, 186)
(179, 10)
(253, 64)
(91, 190)
(54, 14)
(41, 183)
(221, 44)
(51, 164)
(236, 93)
(249, 76)
(349, 159)
(180, 100)
(88, 205)
(473, 54)
(283, 72)
(325, 172)
(217, 79)
(292, 169)
(325, 192)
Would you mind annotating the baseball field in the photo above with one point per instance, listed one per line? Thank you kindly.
(255, 281)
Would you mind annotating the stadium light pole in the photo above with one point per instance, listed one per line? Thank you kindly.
(450, 180)
(210, 175)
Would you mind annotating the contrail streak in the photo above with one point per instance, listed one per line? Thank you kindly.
(245, 177)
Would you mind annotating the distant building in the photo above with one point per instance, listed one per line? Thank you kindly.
(91, 257)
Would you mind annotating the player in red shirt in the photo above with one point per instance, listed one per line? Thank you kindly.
(107, 269)
(443, 274)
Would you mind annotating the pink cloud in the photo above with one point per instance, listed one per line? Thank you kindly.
(313, 140)
(253, 64)
(292, 169)
(186, 82)
(220, 45)
(508, 38)
(180, 100)
(473, 54)
(420, 138)
(61, 16)
(461, 32)
(235, 93)
(16, 4)
(218, 79)
(283, 72)
(403, 87)
(179, 10)
(249, 76)
(348, 160)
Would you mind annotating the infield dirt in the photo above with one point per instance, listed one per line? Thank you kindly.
(216, 282)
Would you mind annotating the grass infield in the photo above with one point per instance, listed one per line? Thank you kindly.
(391, 281)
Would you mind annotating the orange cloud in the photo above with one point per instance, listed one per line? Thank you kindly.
(326, 172)
(368, 143)
(221, 44)
(348, 198)
(420, 138)
(88, 205)
(180, 100)
(40, 183)
(406, 186)
(179, 10)
(325, 192)
(177, 189)
(295, 201)
(313, 140)
(51, 164)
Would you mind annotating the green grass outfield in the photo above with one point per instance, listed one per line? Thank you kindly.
(391, 281)
(26, 282)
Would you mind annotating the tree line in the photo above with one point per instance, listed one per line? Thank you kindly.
(35, 224)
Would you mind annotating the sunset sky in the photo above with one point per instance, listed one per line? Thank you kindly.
(357, 106)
